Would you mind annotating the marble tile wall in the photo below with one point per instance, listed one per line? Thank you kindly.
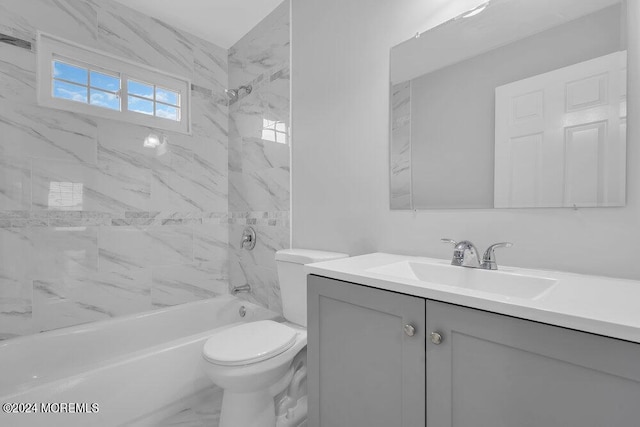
(400, 173)
(92, 224)
(259, 171)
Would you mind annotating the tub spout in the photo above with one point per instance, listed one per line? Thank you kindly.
(244, 288)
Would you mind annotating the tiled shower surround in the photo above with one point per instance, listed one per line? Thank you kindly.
(259, 168)
(92, 224)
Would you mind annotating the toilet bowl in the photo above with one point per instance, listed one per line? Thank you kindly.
(252, 362)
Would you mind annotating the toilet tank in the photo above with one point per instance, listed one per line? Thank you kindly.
(293, 280)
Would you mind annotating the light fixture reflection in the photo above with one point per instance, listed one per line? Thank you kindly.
(163, 148)
(160, 143)
(475, 11)
(152, 141)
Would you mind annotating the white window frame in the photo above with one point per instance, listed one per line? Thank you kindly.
(51, 48)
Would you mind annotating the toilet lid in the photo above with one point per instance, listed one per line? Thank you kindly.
(249, 343)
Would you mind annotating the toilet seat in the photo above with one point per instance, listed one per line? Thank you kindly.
(249, 343)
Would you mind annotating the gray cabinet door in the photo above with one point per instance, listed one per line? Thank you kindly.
(498, 371)
(364, 370)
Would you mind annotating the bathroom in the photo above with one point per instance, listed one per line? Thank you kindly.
(119, 234)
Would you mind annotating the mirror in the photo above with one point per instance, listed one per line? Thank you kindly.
(517, 104)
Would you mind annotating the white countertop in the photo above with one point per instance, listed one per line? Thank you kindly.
(600, 305)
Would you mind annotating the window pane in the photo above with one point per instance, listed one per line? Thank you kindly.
(70, 72)
(281, 138)
(281, 127)
(167, 96)
(140, 89)
(69, 91)
(140, 105)
(268, 124)
(167, 112)
(268, 135)
(105, 99)
(105, 81)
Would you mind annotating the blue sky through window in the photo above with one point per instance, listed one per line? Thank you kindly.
(167, 112)
(165, 104)
(87, 86)
(70, 73)
(167, 96)
(105, 99)
(69, 91)
(105, 82)
(100, 89)
(140, 89)
(87, 81)
(140, 105)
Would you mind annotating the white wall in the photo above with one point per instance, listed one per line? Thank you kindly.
(340, 118)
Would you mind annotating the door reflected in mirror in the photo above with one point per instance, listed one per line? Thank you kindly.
(520, 106)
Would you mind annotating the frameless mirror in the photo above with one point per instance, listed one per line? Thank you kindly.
(520, 106)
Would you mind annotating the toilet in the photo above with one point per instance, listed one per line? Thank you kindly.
(252, 362)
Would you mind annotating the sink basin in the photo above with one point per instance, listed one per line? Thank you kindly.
(510, 284)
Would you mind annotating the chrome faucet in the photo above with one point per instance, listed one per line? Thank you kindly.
(465, 254)
(243, 288)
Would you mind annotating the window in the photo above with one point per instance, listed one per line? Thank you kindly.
(81, 80)
(152, 100)
(274, 131)
(85, 85)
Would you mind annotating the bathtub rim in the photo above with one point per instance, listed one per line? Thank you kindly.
(95, 325)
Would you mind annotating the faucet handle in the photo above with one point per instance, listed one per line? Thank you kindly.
(489, 257)
(445, 240)
(248, 241)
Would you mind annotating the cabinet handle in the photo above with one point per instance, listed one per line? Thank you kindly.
(436, 338)
(410, 330)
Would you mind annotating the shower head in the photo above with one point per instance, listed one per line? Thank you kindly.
(234, 93)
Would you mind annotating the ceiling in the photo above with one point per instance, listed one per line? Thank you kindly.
(222, 22)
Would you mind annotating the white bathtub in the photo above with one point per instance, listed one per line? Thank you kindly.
(132, 366)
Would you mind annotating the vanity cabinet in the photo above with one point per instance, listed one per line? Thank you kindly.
(492, 370)
(478, 369)
(366, 358)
